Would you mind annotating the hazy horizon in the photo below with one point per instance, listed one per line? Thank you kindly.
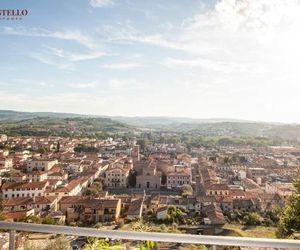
(158, 116)
(197, 59)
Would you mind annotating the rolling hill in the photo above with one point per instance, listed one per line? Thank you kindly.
(48, 123)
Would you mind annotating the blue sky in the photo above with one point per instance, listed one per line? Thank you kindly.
(203, 59)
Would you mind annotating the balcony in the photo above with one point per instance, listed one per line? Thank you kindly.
(212, 241)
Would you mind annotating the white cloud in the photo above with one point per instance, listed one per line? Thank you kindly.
(58, 57)
(46, 84)
(74, 35)
(225, 67)
(233, 26)
(90, 85)
(101, 3)
(88, 56)
(122, 66)
(34, 82)
(236, 36)
(252, 45)
(129, 86)
(45, 59)
(126, 33)
(75, 57)
(63, 59)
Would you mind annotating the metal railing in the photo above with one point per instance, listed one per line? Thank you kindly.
(142, 236)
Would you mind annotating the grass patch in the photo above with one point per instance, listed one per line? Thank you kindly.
(249, 231)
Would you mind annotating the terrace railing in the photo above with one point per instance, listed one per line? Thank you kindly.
(213, 241)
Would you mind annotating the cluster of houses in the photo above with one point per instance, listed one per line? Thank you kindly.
(53, 182)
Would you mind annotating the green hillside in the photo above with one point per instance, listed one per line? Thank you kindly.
(50, 126)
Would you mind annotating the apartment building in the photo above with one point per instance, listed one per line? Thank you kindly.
(94, 210)
(40, 164)
(181, 176)
(27, 189)
(217, 189)
(116, 177)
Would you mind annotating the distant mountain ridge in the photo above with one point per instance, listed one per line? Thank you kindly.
(45, 124)
(32, 122)
(20, 115)
(135, 120)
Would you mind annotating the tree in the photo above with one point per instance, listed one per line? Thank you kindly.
(148, 245)
(42, 150)
(29, 245)
(163, 178)
(31, 219)
(243, 159)
(132, 178)
(6, 174)
(226, 160)
(272, 217)
(143, 143)
(186, 190)
(212, 158)
(94, 189)
(251, 219)
(289, 222)
(175, 214)
(95, 244)
(59, 243)
(48, 220)
(225, 141)
(2, 216)
(57, 147)
(90, 191)
(86, 149)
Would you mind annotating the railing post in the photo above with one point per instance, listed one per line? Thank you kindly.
(12, 239)
(213, 247)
